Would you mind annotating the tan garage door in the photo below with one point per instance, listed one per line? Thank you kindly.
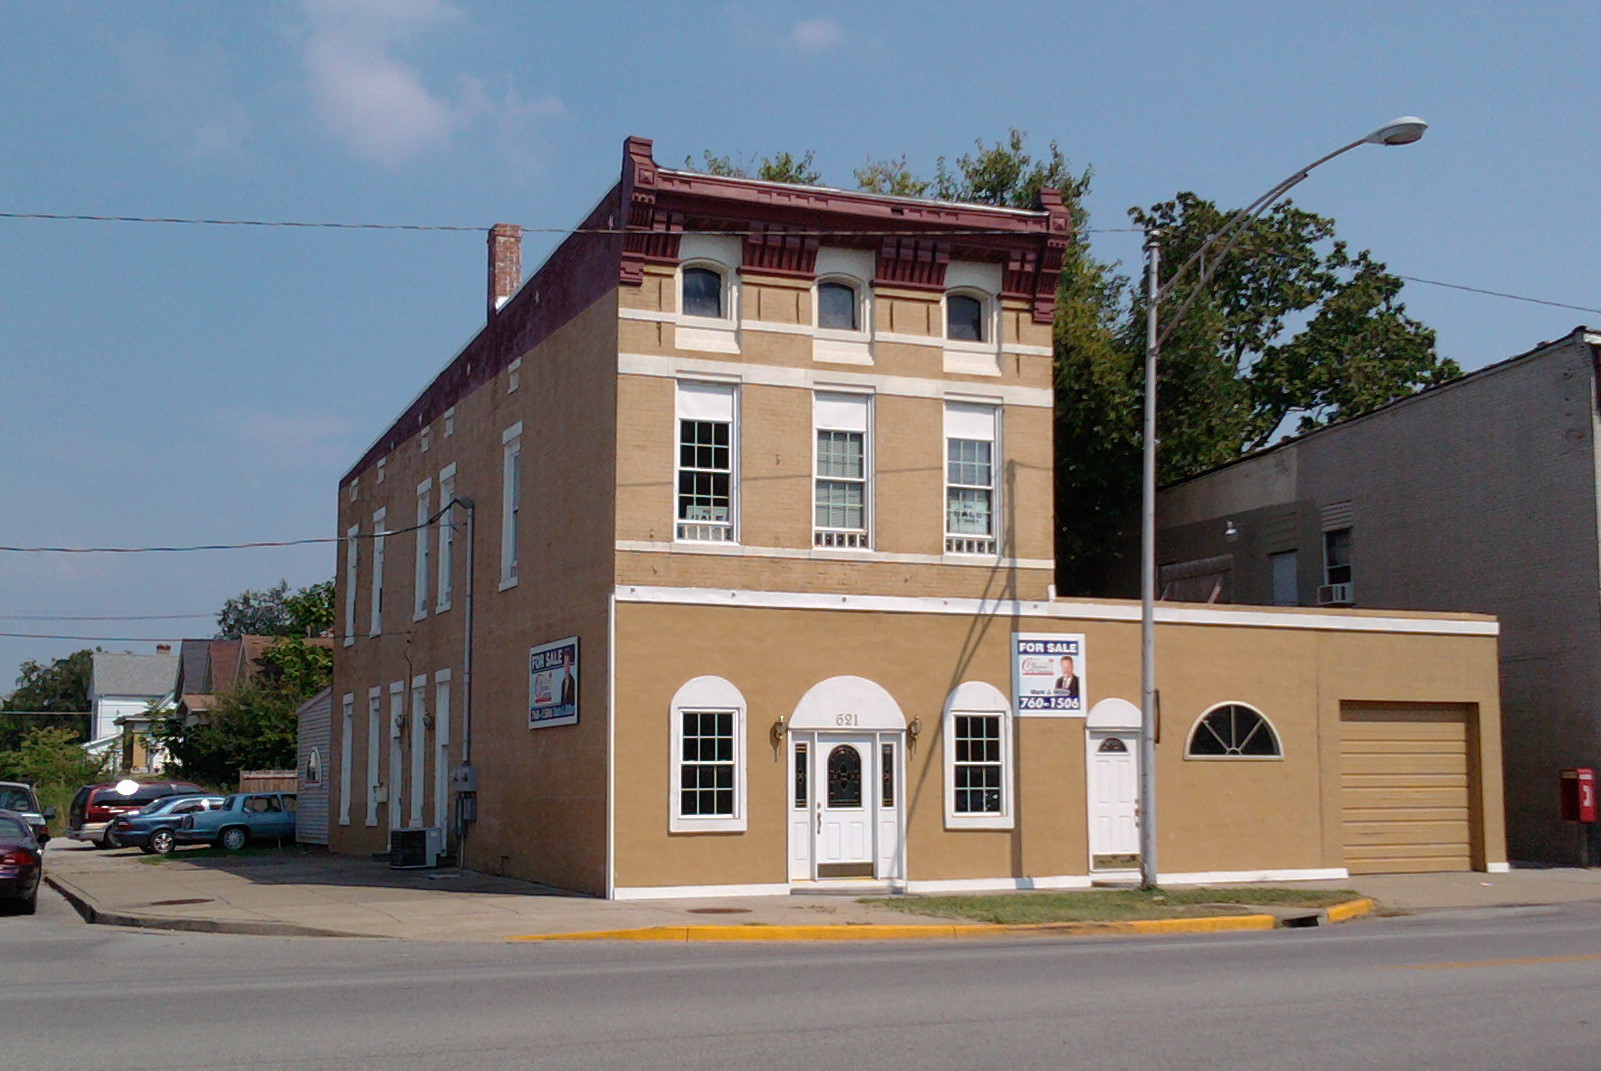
(1406, 789)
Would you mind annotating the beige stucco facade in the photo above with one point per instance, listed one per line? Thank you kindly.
(745, 670)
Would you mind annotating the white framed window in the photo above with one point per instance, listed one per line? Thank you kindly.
(1233, 731)
(425, 439)
(375, 699)
(383, 465)
(352, 557)
(425, 503)
(971, 516)
(839, 305)
(511, 479)
(706, 504)
(842, 467)
(347, 733)
(375, 625)
(703, 291)
(967, 317)
(978, 758)
(446, 565)
(395, 779)
(514, 376)
(419, 748)
(449, 420)
(354, 490)
(842, 306)
(708, 758)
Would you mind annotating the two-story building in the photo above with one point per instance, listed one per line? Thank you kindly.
(721, 560)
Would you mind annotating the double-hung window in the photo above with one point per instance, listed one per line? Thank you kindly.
(376, 624)
(978, 758)
(708, 740)
(511, 479)
(970, 491)
(840, 504)
(352, 556)
(445, 566)
(707, 450)
(425, 493)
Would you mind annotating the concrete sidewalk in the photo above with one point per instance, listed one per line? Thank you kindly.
(292, 894)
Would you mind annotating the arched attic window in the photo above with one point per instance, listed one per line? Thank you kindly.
(1233, 731)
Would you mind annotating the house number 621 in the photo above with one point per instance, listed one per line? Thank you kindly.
(845, 719)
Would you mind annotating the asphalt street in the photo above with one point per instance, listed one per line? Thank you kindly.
(1507, 988)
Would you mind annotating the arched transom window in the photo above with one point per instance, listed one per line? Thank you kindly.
(1233, 730)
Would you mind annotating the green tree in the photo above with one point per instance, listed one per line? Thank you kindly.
(278, 612)
(785, 167)
(52, 757)
(892, 177)
(60, 687)
(252, 727)
(1006, 175)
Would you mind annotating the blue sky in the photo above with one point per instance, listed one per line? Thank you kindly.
(179, 384)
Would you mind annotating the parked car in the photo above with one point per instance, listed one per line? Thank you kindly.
(150, 830)
(241, 819)
(21, 864)
(95, 806)
(22, 799)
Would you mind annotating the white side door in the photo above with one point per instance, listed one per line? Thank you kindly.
(1114, 794)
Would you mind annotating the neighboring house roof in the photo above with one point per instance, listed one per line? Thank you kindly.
(194, 661)
(152, 675)
(198, 701)
(223, 660)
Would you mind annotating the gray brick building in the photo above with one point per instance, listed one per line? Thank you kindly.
(1480, 495)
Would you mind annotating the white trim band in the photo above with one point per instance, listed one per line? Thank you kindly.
(833, 554)
(1498, 868)
(690, 892)
(1231, 877)
(1107, 610)
(764, 375)
(961, 885)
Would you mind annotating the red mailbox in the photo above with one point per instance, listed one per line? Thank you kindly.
(1578, 795)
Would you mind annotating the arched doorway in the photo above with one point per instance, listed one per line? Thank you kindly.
(1112, 779)
(846, 742)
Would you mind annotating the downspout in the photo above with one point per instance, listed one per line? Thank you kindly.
(467, 784)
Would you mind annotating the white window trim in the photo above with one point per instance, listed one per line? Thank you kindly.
(352, 559)
(375, 699)
(395, 781)
(976, 697)
(347, 736)
(869, 513)
(514, 375)
(996, 505)
(712, 694)
(375, 624)
(419, 751)
(733, 467)
(863, 331)
(988, 321)
(1189, 737)
(442, 748)
(421, 567)
(445, 559)
(714, 334)
(511, 445)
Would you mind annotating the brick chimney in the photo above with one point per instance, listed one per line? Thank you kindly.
(505, 264)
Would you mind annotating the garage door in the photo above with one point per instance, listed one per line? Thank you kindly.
(1406, 789)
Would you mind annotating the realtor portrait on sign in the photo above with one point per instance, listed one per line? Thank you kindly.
(1048, 674)
(553, 684)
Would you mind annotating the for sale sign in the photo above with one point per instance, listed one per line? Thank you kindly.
(1048, 674)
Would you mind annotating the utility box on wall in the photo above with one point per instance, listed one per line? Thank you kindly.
(1578, 795)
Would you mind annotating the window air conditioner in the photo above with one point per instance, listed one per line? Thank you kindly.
(415, 849)
(1336, 595)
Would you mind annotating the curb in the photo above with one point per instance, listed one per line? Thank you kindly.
(892, 932)
(93, 915)
(1351, 909)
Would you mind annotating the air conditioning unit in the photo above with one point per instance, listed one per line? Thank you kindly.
(415, 849)
(1336, 595)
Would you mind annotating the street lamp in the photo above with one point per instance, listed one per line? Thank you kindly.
(1402, 131)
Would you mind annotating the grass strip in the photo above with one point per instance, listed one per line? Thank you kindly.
(1109, 905)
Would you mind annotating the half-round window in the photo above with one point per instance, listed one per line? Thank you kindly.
(703, 293)
(1233, 730)
(964, 318)
(836, 306)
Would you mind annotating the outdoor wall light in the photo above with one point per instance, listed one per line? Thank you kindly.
(914, 730)
(779, 729)
(1231, 531)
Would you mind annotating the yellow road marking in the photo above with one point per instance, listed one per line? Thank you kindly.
(1522, 961)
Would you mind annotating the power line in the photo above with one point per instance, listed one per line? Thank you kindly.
(613, 231)
(118, 617)
(1498, 293)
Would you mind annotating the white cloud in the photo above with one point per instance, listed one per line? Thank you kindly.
(817, 35)
(382, 105)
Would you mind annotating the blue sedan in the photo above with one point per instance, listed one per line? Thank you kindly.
(150, 829)
(240, 819)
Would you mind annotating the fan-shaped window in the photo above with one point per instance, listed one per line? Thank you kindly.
(703, 293)
(964, 318)
(1112, 746)
(836, 306)
(1233, 730)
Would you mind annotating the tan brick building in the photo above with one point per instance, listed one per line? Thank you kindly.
(760, 532)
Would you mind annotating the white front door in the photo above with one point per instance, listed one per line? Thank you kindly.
(844, 805)
(1114, 799)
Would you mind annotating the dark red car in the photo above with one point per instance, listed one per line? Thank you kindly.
(21, 864)
(94, 807)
